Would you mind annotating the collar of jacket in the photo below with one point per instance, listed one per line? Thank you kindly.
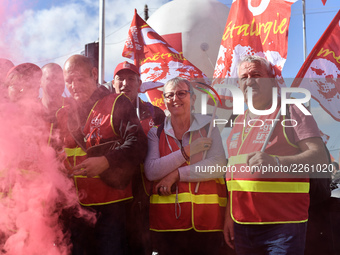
(198, 121)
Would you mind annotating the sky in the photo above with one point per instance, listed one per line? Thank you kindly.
(43, 31)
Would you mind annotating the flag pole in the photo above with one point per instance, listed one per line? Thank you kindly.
(101, 54)
(271, 131)
(304, 38)
(304, 29)
(208, 135)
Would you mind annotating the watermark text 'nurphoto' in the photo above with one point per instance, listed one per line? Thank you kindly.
(238, 101)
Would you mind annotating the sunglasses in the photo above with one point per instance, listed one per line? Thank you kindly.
(179, 94)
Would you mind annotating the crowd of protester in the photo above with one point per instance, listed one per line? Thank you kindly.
(134, 167)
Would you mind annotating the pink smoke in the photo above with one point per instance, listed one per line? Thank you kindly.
(34, 189)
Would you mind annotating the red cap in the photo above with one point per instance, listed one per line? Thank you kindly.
(126, 66)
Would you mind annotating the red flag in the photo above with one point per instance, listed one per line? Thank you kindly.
(324, 1)
(320, 73)
(158, 62)
(324, 137)
(155, 97)
(253, 29)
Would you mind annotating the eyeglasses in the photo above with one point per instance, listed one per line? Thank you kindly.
(180, 94)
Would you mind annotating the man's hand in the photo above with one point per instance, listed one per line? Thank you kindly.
(312, 153)
(259, 158)
(164, 186)
(91, 167)
(229, 230)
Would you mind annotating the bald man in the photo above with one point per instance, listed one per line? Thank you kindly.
(104, 142)
(52, 86)
(23, 82)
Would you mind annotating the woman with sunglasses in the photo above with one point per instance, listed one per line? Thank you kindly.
(188, 198)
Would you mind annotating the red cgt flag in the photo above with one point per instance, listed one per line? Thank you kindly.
(320, 73)
(324, 137)
(158, 62)
(253, 28)
(324, 1)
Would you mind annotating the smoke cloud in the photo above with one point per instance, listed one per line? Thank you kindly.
(34, 189)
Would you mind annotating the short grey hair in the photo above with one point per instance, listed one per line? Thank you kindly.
(258, 60)
(177, 80)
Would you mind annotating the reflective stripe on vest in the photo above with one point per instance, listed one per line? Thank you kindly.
(103, 193)
(189, 197)
(265, 186)
(94, 191)
(75, 152)
(236, 160)
(203, 211)
(256, 198)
